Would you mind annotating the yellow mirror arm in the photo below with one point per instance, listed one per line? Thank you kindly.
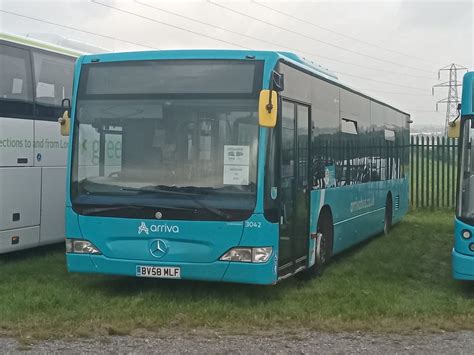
(62, 120)
(64, 123)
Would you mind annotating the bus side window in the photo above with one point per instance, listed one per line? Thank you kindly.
(16, 90)
(53, 82)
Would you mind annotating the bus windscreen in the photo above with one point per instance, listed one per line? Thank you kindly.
(182, 144)
(466, 193)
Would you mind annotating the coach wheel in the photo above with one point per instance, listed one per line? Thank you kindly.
(387, 225)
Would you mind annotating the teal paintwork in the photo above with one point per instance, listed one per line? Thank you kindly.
(462, 257)
(358, 210)
(197, 246)
(202, 242)
(461, 245)
(467, 105)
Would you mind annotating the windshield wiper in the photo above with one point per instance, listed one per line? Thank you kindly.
(216, 211)
(93, 210)
(179, 191)
(159, 188)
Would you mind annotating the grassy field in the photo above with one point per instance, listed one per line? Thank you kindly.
(395, 283)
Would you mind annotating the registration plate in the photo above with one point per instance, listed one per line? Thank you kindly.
(160, 272)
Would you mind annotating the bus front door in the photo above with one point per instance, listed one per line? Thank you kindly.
(294, 187)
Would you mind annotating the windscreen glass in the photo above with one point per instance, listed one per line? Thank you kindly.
(466, 191)
(175, 136)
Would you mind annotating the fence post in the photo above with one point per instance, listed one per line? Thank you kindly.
(417, 171)
(443, 166)
(422, 178)
(438, 180)
(454, 172)
(449, 177)
(412, 171)
(428, 171)
(432, 160)
(427, 159)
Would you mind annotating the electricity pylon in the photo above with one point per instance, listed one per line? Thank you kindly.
(452, 100)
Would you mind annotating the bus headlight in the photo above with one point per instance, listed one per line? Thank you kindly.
(238, 254)
(80, 247)
(261, 255)
(466, 234)
(248, 255)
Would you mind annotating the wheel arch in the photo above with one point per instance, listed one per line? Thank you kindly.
(326, 212)
(389, 197)
(388, 215)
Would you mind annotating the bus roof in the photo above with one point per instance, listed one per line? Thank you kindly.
(272, 57)
(26, 41)
(211, 54)
(467, 106)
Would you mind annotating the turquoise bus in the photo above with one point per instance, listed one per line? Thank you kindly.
(223, 165)
(463, 251)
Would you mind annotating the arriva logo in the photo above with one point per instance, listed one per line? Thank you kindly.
(157, 228)
(143, 228)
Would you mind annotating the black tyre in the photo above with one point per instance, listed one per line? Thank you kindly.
(387, 225)
(324, 242)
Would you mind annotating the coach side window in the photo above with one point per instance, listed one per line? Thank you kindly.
(16, 91)
(53, 82)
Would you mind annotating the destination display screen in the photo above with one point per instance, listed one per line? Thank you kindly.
(151, 77)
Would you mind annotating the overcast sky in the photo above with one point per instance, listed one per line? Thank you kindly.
(391, 50)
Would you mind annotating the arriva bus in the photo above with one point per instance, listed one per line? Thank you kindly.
(463, 251)
(235, 166)
(34, 77)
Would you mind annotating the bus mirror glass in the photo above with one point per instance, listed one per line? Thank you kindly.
(454, 129)
(267, 108)
(278, 82)
(64, 123)
(66, 104)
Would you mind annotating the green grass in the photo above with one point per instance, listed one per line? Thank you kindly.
(395, 283)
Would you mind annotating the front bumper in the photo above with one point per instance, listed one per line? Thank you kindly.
(252, 273)
(463, 266)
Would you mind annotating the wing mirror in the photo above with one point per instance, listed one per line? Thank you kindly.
(267, 108)
(268, 101)
(454, 127)
(65, 121)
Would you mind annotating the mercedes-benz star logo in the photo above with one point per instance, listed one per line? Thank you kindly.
(158, 248)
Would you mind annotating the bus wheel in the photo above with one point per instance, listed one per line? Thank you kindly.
(323, 247)
(387, 225)
(324, 238)
(324, 241)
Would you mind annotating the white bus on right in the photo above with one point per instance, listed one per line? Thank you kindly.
(35, 77)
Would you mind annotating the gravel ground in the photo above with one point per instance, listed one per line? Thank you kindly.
(305, 343)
